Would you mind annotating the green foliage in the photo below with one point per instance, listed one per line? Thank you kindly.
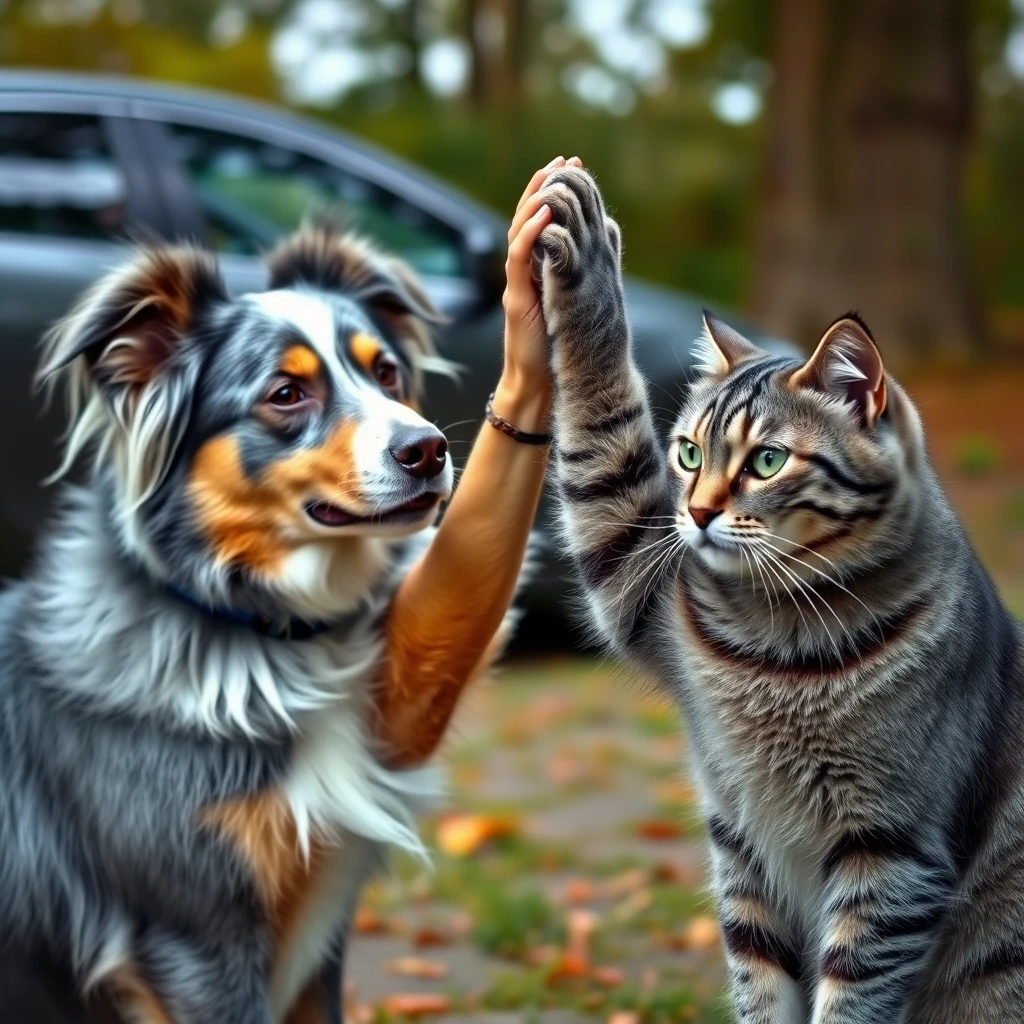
(684, 186)
(977, 455)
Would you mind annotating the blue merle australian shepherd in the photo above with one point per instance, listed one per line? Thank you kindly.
(191, 787)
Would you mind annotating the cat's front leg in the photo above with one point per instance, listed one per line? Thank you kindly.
(887, 892)
(613, 488)
(761, 949)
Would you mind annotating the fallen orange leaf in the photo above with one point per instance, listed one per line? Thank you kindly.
(624, 1017)
(578, 890)
(417, 1004)
(702, 933)
(569, 966)
(658, 829)
(416, 967)
(676, 791)
(609, 977)
(429, 936)
(464, 834)
(369, 922)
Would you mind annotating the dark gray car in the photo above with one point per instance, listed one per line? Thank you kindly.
(87, 163)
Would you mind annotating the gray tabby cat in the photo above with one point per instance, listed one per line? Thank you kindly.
(853, 687)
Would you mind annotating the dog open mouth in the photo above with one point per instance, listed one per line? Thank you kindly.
(326, 514)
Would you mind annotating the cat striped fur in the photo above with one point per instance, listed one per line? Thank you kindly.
(852, 685)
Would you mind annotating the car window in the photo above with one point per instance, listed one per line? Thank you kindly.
(59, 177)
(252, 192)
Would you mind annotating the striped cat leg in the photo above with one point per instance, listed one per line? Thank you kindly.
(886, 896)
(609, 467)
(761, 951)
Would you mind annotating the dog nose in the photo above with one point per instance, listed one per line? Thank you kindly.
(421, 453)
(703, 516)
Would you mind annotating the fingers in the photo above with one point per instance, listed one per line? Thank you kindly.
(540, 177)
(526, 210)
(518, 268)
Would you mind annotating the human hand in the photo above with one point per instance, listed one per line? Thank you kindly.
(523, 395)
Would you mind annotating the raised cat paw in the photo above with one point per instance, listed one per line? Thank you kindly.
(578, 255)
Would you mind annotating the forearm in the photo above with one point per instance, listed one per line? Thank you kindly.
(448, 610)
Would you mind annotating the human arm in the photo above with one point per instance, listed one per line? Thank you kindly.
(447, 612)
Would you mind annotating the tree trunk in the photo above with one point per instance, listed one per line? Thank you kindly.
(412, 34)
(477, 89)
(517, 22)
(860, 204)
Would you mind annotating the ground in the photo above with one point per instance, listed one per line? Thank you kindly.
(568, 875)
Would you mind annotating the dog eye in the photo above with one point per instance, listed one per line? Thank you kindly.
(385, 371)
(287, 394)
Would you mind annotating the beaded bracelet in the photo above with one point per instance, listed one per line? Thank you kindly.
(510, 431)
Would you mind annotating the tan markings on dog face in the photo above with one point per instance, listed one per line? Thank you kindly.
(263, 831)
(248, 520)
(364, 349)
(135, 999)
(300, 361)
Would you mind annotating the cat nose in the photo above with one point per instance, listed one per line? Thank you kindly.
(703, 516)
(421, 453)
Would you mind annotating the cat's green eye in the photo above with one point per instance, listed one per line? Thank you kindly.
(766, 462)
(689, 455)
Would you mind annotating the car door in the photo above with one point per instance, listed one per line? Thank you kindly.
(70, 196)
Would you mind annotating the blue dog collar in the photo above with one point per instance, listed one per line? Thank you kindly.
(279, 628)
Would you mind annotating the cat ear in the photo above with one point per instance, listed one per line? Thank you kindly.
(719, 348)
(847, 365)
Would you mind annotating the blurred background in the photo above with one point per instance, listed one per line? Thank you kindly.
(782, 161)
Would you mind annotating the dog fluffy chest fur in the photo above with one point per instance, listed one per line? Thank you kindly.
(210, 761)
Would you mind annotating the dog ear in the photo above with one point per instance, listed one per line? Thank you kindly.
(847, 365)
(323, 254)
(127, 357)
(128, 328)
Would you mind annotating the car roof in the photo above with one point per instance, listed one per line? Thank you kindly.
(455, 207)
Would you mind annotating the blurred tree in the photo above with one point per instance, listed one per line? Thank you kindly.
(473, 31)
(862, 178)
(411, 33)
(517, 16)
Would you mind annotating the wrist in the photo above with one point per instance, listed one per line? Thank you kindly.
(525, 403)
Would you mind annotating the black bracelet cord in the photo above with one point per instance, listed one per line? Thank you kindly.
(520, 436)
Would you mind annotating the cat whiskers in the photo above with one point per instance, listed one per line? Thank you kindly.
(775, 574)
(820, 572)
(807, 590)
(751, 560)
